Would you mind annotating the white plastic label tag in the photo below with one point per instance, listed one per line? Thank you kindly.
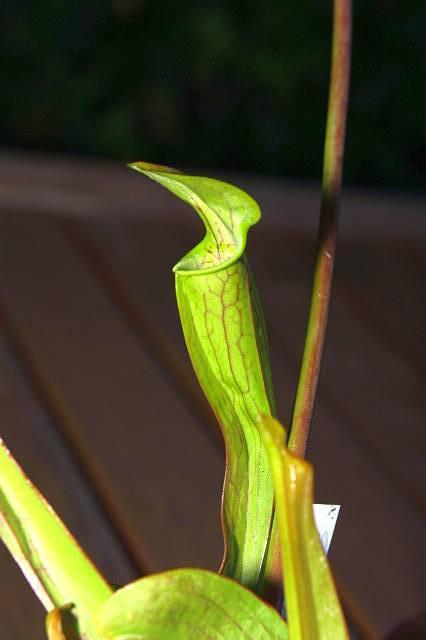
(325, 516)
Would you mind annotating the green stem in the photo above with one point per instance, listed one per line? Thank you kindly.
(326, 244)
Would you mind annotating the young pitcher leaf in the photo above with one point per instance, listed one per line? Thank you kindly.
(187, 603)
(312, 605)
(225, 335)
(51, 560)
(227, 212)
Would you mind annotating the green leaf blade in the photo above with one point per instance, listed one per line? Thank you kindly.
(187, 603)
(51, 560)
(312, 605)
(224, 330)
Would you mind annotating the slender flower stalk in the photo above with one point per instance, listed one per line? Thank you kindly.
(326, 244)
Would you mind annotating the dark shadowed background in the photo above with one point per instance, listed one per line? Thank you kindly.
(229, 84)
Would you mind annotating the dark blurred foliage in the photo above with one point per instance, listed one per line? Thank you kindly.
(228, 84)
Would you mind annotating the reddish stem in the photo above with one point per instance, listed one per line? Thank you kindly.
(326, 244)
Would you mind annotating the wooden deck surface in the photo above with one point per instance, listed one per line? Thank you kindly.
(100, 405)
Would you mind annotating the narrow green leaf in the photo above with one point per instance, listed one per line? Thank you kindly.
(51, 560)
(225, 335)
(312, 604)
(187, 603)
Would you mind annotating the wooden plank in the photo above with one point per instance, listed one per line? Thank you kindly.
(142, 445)
(366, 382)
(367, 426)
(362, 636)
(130, 253)
(284, 282)
(378, 548)
(79, 187)
(392, 299)
(142, 255)
(32, 438)
(142, 319)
